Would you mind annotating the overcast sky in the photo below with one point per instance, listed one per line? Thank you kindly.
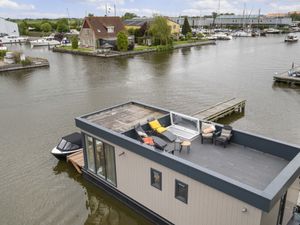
(80, 8)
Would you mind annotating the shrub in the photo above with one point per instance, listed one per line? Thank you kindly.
(17, 57)
(189, 36)
(26, 62)
(122, 41)
(75, 42)
(200, 35)
(2, 53)
(163, 48)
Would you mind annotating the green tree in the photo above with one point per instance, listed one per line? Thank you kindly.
(128, 15)
(159, 29)
(122, 41)
(75, 42)
(62, 25)
(46, 27)
(23, 28)
(295, 16)
(186, 26)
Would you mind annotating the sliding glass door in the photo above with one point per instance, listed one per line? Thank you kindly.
(101, 159)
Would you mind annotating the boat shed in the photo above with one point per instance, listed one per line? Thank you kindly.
(8, 28)
(253, 181)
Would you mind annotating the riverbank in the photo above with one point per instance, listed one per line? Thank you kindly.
(113, 54)
(35, 63)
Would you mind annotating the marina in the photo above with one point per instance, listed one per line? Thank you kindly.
(43, 104)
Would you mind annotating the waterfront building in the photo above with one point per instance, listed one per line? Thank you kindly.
(236, 20)
(253, 181)
(8, 28)
(98, 31)
(138, 22)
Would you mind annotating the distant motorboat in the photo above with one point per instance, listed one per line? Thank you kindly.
(291, 37)
(272, 31)
(241, 34)
(11, 39)
(221, 36)
(46, 41)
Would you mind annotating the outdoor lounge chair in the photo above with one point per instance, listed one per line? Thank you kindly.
(150, 140)
(159, 129)
(207, 131)
(224, 136)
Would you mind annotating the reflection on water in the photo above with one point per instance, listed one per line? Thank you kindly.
(102, 209)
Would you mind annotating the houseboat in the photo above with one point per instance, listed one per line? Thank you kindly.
(253, 181)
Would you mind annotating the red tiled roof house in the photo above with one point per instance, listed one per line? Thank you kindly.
(97, 31)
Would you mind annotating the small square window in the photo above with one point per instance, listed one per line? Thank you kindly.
(156, 178)
(181, 191)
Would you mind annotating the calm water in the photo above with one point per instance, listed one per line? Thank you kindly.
(39, 106)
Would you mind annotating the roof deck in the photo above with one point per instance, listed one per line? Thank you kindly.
(243, 164)
(123, 117)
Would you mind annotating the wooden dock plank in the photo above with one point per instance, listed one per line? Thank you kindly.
(221, 109)
(77, 160)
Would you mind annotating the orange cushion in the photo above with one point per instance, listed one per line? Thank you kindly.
(148, 141)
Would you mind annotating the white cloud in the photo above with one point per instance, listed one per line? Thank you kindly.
(9, 4)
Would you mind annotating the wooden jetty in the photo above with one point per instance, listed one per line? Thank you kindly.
(286, 78)
(77, 160)
(221, 110)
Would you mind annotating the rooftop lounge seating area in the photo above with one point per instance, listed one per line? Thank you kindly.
(237, 162)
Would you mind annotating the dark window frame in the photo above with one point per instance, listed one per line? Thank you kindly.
(153, 184)
(95, 161)
(178, 196)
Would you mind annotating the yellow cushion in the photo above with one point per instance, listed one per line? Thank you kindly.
(154, 124)
(161, 129)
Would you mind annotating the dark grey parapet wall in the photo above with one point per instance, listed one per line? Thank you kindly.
(266, 145)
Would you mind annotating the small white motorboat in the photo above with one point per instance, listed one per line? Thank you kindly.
(272, 31)
(241, 33)
(69, 144)
(11, 39)
(291, 37)
(222, 36)
(46, 41)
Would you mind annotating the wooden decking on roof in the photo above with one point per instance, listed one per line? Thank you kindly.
(124, 117)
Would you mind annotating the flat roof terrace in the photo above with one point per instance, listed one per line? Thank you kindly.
(123, 117)
(243, 164)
